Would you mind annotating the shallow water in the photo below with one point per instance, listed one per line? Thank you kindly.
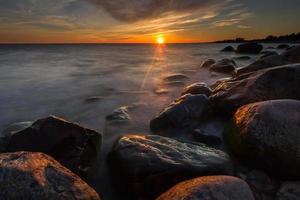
(85, 83)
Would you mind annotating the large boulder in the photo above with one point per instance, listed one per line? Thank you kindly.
(197, 88)
(228, 49)
(143, 167)
(275, 83)
(224, 66)
(73, 146)
(25, 175)
(250, 48)
(290, 56)
(180, 112)
(266, 134)
(210, 188)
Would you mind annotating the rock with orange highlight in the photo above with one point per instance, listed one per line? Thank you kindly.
(210, 188)
(25, 175)
(266, 135)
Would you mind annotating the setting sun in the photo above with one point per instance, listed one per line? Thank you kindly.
(160, 40)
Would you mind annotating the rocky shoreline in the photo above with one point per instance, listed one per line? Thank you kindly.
(256, 156)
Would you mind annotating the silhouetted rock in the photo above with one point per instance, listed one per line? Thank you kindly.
(25, 175)
(242, 58)
(224, 66)
(207, 63)
(266, 134)
(289, 191)
(143, 167)
(275, 83)
(197, 88)
(210, 188)
(73, 146)
(249, 48)
(180, 112)
(290, 56)
(228, 49)
(265, 54)
(283, 46)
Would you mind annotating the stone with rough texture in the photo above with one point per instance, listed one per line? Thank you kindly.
(289, 191)
(266, 134)
(290, 56)
(73, 146)
(250, 48)
(25, 175)
(143, 167)
(197, 88)
(275, 83)
(180, 112)
(210, 188)
(224, 66)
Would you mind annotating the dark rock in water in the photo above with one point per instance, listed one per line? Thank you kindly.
(143, 167)
(228, 49)
(275, 83)
(224, 66)
(197, 88)
(242, 58)
(180, 112)
(283, 46)
(25, 175)
(207, 63)
(289, 191)
(161, 91)
(176, 77)
(265, 54)
(250, 48)
(205, 137)
(73, 146)
(219, 81)
(266, 134)
(120, 115)
(210, 188)
(174, 83)
(94, 99)
(288, 57)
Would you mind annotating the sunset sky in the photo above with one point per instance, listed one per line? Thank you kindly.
(115, 21)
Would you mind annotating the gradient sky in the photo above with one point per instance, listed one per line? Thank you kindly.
(113, 21)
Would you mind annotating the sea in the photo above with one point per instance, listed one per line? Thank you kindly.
(84, 83)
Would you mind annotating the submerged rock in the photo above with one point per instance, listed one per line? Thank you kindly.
(266, 134)
(176, 77)
(180, 112)
(120, 115)
(25, 175)
(174, 83)
(250, 48)
(283, 46)
(224, 66)
(275, 83)
(197, 88)
(289, 191)
(228, 49)
(242, 58)
(207, 63)
(290, 56)
(145, 166)
(265, 54)
(210, 188)
(73, 146)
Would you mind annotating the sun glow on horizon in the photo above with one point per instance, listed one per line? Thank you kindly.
(160, 39)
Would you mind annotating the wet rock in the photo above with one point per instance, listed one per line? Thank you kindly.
(242, 58)
(120, 115)
(25, 175)
(206, 137)
(224, 66)
(266, 134)
(145, 166)
(275, 83)
(289, 191)
(161, 91)
(228, 49)
(73, 146)
(180, 112)
(175, 77)
(288, 57)
(283, 46)
(250, 48)
(197, 88)
(218, 82)
(265, 54)
(175, 83)
(208, 63)
(210, 188)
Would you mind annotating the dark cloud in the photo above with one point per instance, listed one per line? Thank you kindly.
(134, 10)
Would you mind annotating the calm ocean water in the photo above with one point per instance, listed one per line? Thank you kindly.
(85, 83)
